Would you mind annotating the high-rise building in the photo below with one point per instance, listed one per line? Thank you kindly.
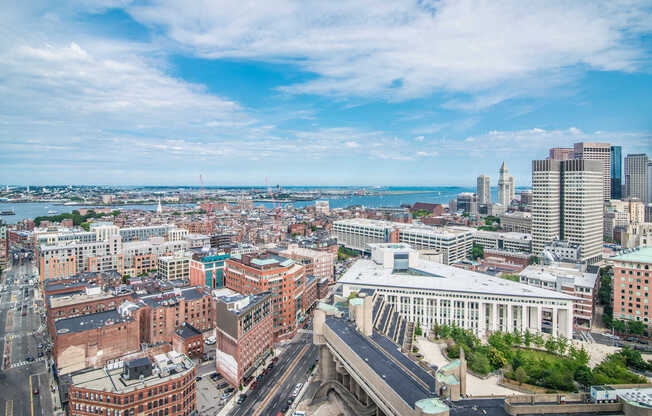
(560, 153)
(597, 151)
(568, 205)
(616, 172)
(484, 189)
(505, 186)
(636, 176)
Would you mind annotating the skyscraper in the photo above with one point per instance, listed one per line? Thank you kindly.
(560, 153)
(484, 189)
(636, 176)
(567, 205)
(616, 172)
(505, 186)
(597, 151)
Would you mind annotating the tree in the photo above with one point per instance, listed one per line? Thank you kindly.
(477, 251)
(353, 295)
(517, 337)
(583, 375)
(417, 329)
(606, 286)
(527, 338)
(619, 326)
(635, 327)
(520, 375)
(453, 351)
(551, 345)
(538, 340)
(496, 358)
(534, 260)
(562, 344)
(480, 363)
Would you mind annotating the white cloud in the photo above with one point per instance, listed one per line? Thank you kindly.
(419, 138)
(404, 49)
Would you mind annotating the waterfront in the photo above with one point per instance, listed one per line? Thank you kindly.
(438, 195)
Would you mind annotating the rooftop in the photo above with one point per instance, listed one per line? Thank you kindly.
(551, 273)
(159, 299)
(437, 276)
(109, 379)
(237, 302)
(88, 322)
(398, 379)
(449, 231)
(186, 331)
(640, 255)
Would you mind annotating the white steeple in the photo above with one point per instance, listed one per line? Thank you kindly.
(159, 209)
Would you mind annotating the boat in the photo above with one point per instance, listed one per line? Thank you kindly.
(50, 212)
(8, 212)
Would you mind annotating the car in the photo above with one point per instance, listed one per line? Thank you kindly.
(229, 390)
(215, 376)
(39, 346)
(253, 385)
(35, 391)
(29, 358)
(274, 360)
(285, 408)
(241, 399)
(198, 378)
(225, 396)
(631, 339)
(643, 341)
(290, 400)
(40, 354)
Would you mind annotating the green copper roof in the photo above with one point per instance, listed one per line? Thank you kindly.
(446, 378)
(327, 308)
(356, 301)
(642, 255)
(431, 406)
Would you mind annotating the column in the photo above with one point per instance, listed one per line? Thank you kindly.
(494, 319)
(466, 322)
(437, 312)
(569, 315)
(509, 318)
(554, 321)
(539, 318)
(524, 316)
(482, 325)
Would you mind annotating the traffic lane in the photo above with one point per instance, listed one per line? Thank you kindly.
(298, 375)
(256, 395)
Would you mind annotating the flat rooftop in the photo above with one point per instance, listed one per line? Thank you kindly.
(447, 231)
(109, 379)
(399, 380)
(640, 255)
(66, 299)
(551, 273)
(188, 294)
(88, 322)
(440, 277)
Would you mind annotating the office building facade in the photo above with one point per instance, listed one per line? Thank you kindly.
(506, 191)
(636, 176)
(484, 189)
(616, 172)
(597, 151)
(631, 285)
(568, 199)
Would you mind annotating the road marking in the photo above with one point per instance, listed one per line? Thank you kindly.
(31, 396)
(9, 408)
(274, 389)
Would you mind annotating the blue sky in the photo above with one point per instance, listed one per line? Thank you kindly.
(315, 93)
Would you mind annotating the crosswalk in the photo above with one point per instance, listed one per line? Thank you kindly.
(24, 363)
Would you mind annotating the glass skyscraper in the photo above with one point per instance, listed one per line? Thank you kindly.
(616, 172)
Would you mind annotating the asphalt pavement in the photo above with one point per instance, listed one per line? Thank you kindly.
(20, 377)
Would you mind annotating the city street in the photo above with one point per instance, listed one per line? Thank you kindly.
(24, 377)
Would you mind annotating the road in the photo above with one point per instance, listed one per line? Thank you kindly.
(298, 374)
(19, 336)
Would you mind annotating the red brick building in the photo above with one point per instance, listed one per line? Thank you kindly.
(632, 294)
(164, 313)
(266, 272)
(152, 386)
(243, 333)
(92, 340)
(188, 340)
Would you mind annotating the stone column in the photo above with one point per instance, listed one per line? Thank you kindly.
(466, 322)
(494, 311)
(539, 318)
(510, 318)
(482, 325)
(437, 312)
(554, 321)
(524, 316)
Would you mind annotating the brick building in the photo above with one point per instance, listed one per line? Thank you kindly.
(188, 340)
(243, 333)
(163, 313)
(631, 285)
(317, 263)
(207, 270)
(256, 273)
(164, 384)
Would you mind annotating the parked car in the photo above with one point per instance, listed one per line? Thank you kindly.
(225, 396)
(229, 390)
(253, 385)
(35, 391)
(241, 399)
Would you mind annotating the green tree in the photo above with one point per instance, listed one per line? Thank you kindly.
(517, 337)
(453, 351)
(417, 329)
(635, 327)
(534, 260)
(520, 375)
(477, 251)
(583, 375)
(353, 295)
(496, 358)
(620, 326)
(562, 344)
(527, 338)
(538, 340)
(480, 363)
(551, 345)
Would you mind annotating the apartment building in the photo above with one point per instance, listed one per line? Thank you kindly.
(162, 384)
(568, 205)
(319, 264)
(266, 272)
(65, 259)
(631, 285)
(453, 242)
(516, 222)
(243, 333)
(174, 267)
(508, 241)
(142, 256)
(600, 152)
(568, 279)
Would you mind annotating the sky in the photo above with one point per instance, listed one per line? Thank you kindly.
(397, 93)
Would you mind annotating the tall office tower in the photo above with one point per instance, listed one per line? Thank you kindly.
(649, 182)
(505, 186)
(567, 205)
(636, 176)
(597, 151)
(560, 153)
(484, 189)
(616, 172)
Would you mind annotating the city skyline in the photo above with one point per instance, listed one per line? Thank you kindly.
(364, 94)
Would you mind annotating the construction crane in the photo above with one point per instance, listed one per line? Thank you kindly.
(207, 205)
